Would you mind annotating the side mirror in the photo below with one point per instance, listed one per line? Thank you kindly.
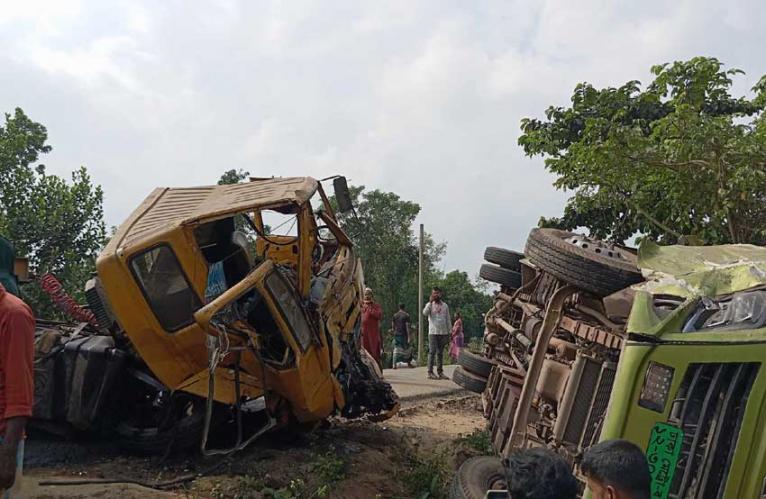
(342, 195)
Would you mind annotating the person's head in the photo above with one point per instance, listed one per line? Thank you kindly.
(540, 474)
(401, 306)
(458, 315)
(616, 469)
(368, 294)
(436, 294)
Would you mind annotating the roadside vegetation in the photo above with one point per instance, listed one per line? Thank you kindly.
(678, 158)
(58, 224)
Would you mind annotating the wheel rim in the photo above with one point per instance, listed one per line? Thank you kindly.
(597, 247)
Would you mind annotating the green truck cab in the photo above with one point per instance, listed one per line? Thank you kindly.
(662, 346)
(690, 389)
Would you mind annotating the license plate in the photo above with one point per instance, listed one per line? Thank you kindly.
(662, 454)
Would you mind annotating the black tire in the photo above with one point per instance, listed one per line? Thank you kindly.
(469, 381)
(152, 441)
(599, 273)
(507, 259)
(180, 431)
(475, 364)
(476, 476)
(493, 273)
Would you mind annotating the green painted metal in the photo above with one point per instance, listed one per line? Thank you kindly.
(662, 453)
(692, 273)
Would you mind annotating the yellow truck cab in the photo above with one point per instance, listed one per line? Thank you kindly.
(209, 308)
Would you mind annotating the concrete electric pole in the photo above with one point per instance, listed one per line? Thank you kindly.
(421, 339)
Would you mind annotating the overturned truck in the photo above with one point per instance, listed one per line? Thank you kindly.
(662, 346)
(203, 313)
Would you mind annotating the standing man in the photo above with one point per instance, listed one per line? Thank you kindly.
(371, 316)
(17, 336)
(439, 329)
(400, 324)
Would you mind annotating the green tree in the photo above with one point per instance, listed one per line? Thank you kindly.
(466, 297)
(57, 224)
(233, 177)
(382, 230)
(681, 156)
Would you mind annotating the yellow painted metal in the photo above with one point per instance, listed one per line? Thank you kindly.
(179, 359)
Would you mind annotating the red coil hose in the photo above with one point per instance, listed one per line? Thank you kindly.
(66, 303)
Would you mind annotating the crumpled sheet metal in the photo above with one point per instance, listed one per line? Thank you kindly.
(688, 271)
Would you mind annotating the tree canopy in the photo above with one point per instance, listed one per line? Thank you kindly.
(57, 224)
(681, 156)
(382, 230)
(233, 176)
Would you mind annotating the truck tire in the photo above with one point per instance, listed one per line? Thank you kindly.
(507, 259)
(469, 381)
(504, 277)
(476, 476)
(586, 263)
(143, 428)
(474, 364)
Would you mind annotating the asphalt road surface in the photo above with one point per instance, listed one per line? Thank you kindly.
(412, 384)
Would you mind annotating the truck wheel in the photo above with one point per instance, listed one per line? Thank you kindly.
(469, 381)
(499, 275)
(476, 476)
(475, 364)
(144, 428)
(508, 259)
(586, 263)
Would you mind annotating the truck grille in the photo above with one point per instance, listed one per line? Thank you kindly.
(709, 409)
(576, 402)
(598, 405)
(96, 304)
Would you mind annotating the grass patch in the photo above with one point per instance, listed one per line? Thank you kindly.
(480, 440)
(327, 468)
(426, 477)
(330, 468)
(245, 487)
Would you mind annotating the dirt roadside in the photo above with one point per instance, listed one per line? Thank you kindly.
(408, 456)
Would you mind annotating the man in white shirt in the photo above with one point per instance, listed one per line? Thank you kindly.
(439, 329)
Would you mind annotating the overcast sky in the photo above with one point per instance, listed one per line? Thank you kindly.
(422, 98)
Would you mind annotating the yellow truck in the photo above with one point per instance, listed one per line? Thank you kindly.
(203, 316)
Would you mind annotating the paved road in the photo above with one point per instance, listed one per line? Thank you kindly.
(413, 384)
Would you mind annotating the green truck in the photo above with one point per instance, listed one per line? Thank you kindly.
(662, 346)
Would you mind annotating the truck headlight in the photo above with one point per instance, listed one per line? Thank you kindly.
(654, 393)
(743, 310)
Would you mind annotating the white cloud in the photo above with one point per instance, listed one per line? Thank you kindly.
(422, 98)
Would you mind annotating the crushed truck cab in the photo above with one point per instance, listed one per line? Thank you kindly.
(210, 309)
(664, 347)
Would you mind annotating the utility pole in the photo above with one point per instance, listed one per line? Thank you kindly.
(421, 339)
